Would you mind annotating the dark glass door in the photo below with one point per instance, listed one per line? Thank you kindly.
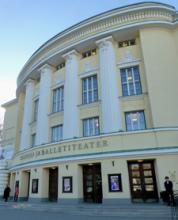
(53, 185)
(92, 183)
(143, 181)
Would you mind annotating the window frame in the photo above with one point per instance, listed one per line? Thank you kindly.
(58, 99)
(132, 83)
(132, 112)
(57, 138)
(94, 130)
(89, 53)
(127, 43)
(88, 90)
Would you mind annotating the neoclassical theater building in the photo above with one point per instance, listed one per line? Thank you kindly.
(96, 114)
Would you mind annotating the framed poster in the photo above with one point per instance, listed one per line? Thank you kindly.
(115, 184)
(67, 184)
(34, 185)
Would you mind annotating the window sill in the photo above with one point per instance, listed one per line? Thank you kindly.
(60, 113)
(90, 105)
(133, 97)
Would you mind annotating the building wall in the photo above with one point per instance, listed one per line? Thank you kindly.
(156, 55)
(107, 167)
(130, 103)
(160, 58)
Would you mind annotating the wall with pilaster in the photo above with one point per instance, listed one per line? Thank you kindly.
(27, 116)
(20, 107)
(10, 125)
(3, 176)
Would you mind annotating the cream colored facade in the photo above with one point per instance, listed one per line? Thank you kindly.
(154, 29)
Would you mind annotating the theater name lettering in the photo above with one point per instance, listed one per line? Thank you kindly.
(64, 148)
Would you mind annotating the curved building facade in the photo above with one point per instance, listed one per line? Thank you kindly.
(96, 114)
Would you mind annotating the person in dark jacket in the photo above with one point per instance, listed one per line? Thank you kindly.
(6, 193)
(169, 190)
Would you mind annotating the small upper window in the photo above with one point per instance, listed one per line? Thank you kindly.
(61, 65)
(89, 53)
(127, 43)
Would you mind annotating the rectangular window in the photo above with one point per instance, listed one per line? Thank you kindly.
(56, 133)
(127, 43)
(89, 90)
(135, 120)
(90, 126)
(60, 66)
(89, 53)
(58, 99)
(130, 79)
(35, 114)
(33, 140)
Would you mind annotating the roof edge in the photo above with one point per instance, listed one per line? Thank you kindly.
(11, 102)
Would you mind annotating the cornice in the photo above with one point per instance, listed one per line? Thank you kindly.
(101, 25)
(12, 102)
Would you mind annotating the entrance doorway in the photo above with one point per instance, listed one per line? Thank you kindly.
(24, 185)
(92, 183)
(53, 184)
(143, 181)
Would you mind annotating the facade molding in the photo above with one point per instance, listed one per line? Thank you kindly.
(89, 73)
(89, 157)
(85, 147)
(107, 23)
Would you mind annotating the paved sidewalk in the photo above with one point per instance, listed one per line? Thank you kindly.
(131, 211)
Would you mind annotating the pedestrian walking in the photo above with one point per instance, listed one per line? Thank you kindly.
(6, 193)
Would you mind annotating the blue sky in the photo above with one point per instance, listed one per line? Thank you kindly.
(26, 24)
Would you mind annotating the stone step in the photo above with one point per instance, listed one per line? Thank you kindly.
(140, 211)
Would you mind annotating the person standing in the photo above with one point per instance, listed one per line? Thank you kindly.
(6, 193)
(16, 195)
(169, 190)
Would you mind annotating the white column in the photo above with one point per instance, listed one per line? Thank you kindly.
(3, 176)
(25, 135)
(44, 104)
(71, 122)
(111, 115)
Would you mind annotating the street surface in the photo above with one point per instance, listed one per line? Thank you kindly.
(26, 211)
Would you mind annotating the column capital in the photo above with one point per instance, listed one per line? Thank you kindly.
(69, 55)
(29, 82)
(46, 67)
(104, 42)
